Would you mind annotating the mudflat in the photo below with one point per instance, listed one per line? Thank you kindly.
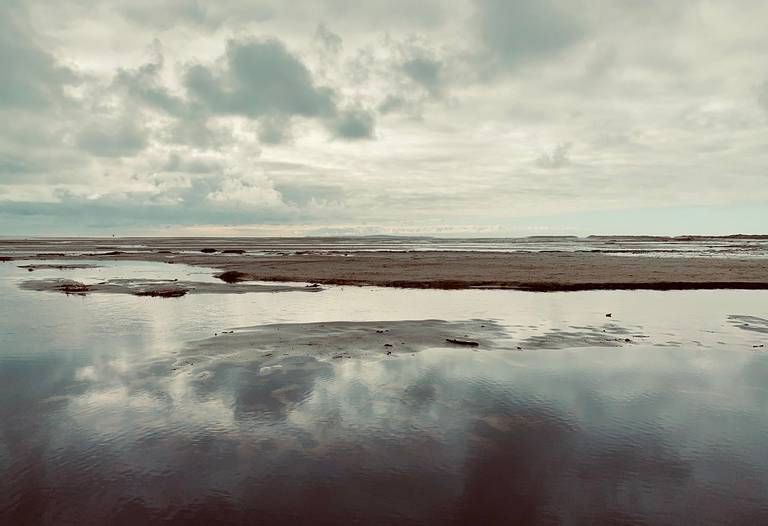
(531, 271)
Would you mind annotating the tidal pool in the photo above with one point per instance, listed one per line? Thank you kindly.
(657, 414)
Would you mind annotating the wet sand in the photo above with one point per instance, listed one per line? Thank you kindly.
(154, 288)
(556, 271)
(46, 266)
(336, 340)
(345, 339)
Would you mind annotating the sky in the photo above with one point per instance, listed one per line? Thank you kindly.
(351, 117)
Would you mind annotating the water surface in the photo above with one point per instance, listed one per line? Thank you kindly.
(98, 426)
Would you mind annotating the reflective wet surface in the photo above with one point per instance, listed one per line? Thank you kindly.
(719, 247)
(100, 424)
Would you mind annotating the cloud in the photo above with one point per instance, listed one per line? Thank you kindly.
(426, 72)
(260, 77)
(32, 78)
(353, 124)
(113, 137)
(208, 15)
(762, 96)
(198, 131)
(144, 85)
(303, 194)
(195, 164)
(515, 32)
(329, 41)
(251, 191)
(392, 103)
(275, 130)
(557, 158)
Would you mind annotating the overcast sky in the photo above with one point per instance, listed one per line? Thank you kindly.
(488, 117)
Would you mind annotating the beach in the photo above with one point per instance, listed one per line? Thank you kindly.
(542, 270)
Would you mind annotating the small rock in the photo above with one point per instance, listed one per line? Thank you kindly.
(609, 315)
(387, 345)
(389, 353)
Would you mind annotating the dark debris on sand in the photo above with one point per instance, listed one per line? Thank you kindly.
(162, 293)
(233, 276)
(73, 287)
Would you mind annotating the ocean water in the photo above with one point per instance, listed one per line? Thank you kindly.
(98, 425)
(622, 246)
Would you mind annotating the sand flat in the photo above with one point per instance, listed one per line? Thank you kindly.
(156, 288)
(542, 271)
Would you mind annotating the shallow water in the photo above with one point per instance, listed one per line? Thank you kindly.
(617, 246)
(97, 426)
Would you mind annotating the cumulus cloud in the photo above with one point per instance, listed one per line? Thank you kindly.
(259, 77)
(247, 190)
